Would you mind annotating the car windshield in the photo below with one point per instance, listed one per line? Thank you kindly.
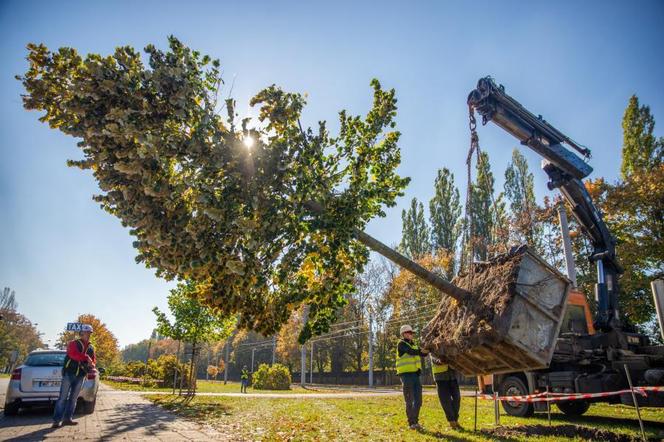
(45, 360)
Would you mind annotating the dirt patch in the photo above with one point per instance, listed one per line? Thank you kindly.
(459, 326)
(571, 431)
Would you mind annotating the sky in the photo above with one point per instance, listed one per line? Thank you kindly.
(575, 63)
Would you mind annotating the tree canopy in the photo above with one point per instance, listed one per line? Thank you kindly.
(103, 340)
(192, 321)
(204, 206)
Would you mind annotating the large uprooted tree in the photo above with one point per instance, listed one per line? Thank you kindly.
(205, 207)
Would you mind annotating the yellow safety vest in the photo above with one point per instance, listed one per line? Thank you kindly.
(408, 363)
(435, 368)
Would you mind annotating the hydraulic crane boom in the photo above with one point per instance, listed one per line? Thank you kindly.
(565, 171)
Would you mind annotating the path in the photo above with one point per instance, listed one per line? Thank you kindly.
(123, 416)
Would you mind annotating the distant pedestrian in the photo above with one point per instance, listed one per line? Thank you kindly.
(409, 367)
(80, 360)
(448, 390)
(244, 379)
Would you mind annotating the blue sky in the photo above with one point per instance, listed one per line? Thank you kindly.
(576, 63)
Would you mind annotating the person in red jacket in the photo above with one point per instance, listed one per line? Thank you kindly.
(79, 361)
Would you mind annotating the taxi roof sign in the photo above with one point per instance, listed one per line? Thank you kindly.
(74, 326)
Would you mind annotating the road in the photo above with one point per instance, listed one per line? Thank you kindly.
(118, 416)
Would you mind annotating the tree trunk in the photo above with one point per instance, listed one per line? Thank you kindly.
(177, 367)
(192, 373)
(429, 277)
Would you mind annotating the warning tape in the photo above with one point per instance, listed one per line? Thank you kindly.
(559, 397)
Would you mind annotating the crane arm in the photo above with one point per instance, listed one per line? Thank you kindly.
(565, 171)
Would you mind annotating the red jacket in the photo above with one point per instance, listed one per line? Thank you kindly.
(78, 356)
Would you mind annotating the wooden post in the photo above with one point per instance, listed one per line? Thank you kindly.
(226, 362)
(303, 351)
(371, 355)
(496, 407)
(548, 405)
(177, 366)
(636, 403)
(475, 414)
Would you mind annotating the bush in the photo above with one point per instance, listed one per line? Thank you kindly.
(276, 377)
(155, 373)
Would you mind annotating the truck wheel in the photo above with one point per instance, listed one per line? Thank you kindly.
(573, 408)
(88, 407)
(514, 386)
(11, 409)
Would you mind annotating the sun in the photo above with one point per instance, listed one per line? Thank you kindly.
(248, 141)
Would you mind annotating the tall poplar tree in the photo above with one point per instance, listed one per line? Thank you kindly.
(415, 232)
(641, 149)
(520, 192)
(444, 216)
(482, 216)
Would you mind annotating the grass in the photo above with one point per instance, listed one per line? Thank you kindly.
(4, 375)
(219, 387)
(382, 418)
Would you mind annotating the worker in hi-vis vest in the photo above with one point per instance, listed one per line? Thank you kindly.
(448, 390)
(409, 367)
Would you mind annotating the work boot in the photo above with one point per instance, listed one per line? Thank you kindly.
(455, 425)
(415, 427)
(56, 425)
(70, 422)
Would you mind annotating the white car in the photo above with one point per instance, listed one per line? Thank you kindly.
(37, 382)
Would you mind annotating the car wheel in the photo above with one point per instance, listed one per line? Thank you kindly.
(88, 407)
(514, 386)
(573, 408)
(11, 409)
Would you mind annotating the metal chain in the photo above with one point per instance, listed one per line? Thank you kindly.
(474, 148)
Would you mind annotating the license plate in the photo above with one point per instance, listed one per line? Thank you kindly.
(49, 384)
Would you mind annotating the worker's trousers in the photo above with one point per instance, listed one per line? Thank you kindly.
(450, 398)
(412, 393)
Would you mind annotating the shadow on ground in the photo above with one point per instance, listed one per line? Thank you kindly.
(124, 419)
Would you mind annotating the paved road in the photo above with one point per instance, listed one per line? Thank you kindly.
(117, 417)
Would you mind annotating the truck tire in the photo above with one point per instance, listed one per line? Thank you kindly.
(11, 409)
(514, 386)
(573, 408)
(88, 407)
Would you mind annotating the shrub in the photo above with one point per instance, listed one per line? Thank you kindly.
(155, 373)
(276, 377)
(168, 365)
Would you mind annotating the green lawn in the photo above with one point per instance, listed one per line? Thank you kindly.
(219, 387)
(383, 418)
(4, 375)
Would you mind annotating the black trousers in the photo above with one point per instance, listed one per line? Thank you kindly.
(412, 393)
(450, 398)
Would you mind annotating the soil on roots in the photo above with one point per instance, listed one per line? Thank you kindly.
(459, 326)
(571, 431)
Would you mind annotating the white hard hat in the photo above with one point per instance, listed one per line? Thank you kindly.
(86, 328)
(405, 328)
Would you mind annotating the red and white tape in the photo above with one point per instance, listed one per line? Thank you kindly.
(558, 397)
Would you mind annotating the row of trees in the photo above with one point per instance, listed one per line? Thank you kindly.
(18, 335)
(633, 209)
